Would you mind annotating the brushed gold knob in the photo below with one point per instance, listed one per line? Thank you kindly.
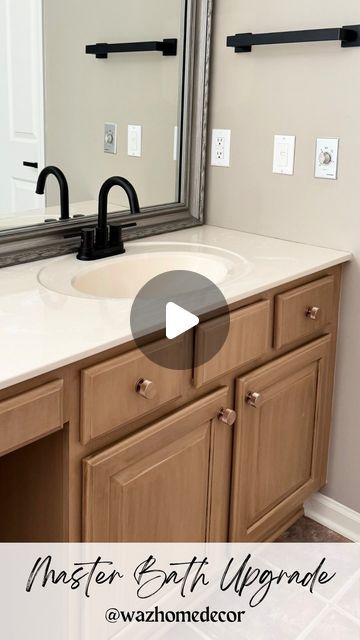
(227, 416)
(146, 389)
(313, 313)
(253, 399)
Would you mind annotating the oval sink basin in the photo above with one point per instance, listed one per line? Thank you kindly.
(125, 277)
(122, 277)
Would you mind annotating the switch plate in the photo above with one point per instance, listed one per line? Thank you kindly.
(134, 140)
(110, 137)
(326, 159)
(284, 155)
(220, 147)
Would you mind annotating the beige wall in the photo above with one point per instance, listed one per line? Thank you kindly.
(309, 90)
(83, 93)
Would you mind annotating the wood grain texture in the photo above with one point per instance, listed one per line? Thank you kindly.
(248, 340)
(31, 415)
(291, 321)
(158, 485)
(108, 390)
(278, 450)
(47, 476)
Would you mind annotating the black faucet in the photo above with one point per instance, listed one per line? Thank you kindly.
(104, 241)
(64, 189)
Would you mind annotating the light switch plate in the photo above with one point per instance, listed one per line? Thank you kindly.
(326, 159)
(134, 140)
(220, 147)
(284, 155)
(110, 137)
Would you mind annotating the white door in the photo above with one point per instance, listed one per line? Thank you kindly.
(21, 104)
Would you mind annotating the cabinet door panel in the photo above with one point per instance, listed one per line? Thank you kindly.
(160, 484)
(279, 443)
(144, 507)
(273, 439)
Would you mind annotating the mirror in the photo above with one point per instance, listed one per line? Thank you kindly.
(100, 89)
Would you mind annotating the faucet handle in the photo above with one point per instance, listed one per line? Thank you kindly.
(116, 239)
(116, 236)
(87, 244)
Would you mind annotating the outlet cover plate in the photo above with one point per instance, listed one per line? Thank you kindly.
(220, 147)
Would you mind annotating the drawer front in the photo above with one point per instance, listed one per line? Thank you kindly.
(304, 311)
(248, 340)
(30, 416)
(110, 395)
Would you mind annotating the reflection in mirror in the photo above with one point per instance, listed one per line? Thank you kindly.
(93, 117)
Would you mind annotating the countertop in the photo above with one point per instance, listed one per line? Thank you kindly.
(41, 330)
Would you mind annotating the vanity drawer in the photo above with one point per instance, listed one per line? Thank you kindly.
(248, 339)
(30, 416)
(110, 394)
(304, 311)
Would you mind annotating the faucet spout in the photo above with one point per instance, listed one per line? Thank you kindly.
(103, 241)
(63, 186)
(102, 231)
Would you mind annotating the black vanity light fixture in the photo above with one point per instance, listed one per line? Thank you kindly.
(349, 36)
(168, 47)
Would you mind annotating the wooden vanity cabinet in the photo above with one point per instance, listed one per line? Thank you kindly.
(116, 448)
(281, 440)
(165, 483)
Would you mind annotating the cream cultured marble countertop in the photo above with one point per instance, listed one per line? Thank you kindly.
(41, 330)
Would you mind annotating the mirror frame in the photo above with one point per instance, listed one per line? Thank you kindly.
(27, 244)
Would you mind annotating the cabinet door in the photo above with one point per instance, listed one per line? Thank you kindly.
(168, 483)
(281, 440)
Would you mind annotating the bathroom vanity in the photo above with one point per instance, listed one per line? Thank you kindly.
(98, 443)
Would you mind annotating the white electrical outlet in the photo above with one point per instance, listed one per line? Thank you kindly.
(220, 147)
(134, 140)
(326, 161)
(284, 155)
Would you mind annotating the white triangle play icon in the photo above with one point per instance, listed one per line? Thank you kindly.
(178, 320)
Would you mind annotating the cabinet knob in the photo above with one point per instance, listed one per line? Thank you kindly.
(227, 416)
(313, 313)
(146, 389)
(253, 399)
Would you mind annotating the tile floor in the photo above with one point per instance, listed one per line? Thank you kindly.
(306, 530)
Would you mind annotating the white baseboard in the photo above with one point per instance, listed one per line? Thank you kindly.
(334, 515)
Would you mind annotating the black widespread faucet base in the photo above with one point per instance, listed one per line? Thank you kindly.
(97, 254)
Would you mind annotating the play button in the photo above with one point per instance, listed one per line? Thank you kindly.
(172, 305)
(178, 320)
